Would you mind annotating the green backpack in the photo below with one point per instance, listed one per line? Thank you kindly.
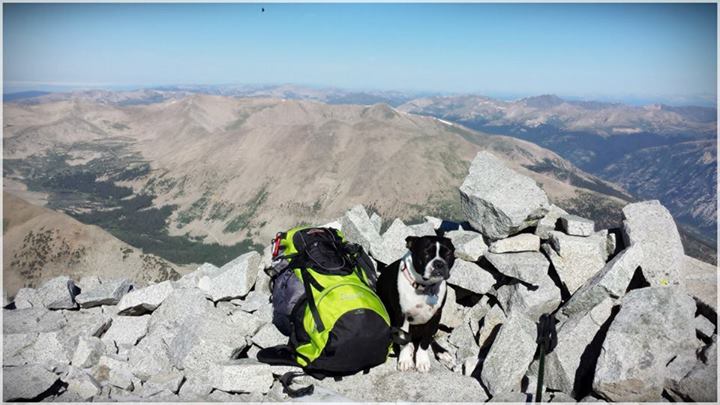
(339, 326)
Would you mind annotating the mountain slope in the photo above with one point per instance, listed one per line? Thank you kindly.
(231, 172)
(609, 141)
(40, 244)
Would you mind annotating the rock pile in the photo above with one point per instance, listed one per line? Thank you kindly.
(637, 323)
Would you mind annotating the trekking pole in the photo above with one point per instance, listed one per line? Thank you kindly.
(546, 339)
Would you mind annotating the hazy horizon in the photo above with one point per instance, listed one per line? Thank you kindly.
(630, 53)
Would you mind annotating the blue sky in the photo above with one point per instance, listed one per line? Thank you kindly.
(645, 51)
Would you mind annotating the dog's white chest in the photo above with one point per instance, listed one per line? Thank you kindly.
(415, 307)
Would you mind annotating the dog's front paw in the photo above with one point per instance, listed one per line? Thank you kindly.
(422, 361)
(405, 359)
(446, 358)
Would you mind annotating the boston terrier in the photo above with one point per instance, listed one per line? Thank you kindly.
(413, 291)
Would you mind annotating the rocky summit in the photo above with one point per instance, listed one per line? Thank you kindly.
(635, 321)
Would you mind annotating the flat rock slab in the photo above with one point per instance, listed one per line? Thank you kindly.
(649, 226)
(469, 245)
(393, 245)
(576, 258)
(233, 280)
(471, 277)
(27, 298)
(700, 279)
(126, 330)
(88, 352)
(109, 292)
(499, 201)
(510, 355)
(524, 242)
(26, 382)
(59, 293)
(611, 281)
(578, 226)
(563, 367)
(530, 267)
(242, 376)
(144, 300)
(36, 319)
(654, 326)
(384, 384)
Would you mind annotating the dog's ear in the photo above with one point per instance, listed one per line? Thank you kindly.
(410, 240)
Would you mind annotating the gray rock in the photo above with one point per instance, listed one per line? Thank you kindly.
(26, 382)
(561, 397)
(83, 323)
(27, 298)
(700, 384)
(578, 226)
(476, 313)
(649, 226)
(83, 385)
(704, 327)
(88, 352)
(269, 335)
(252, 302)
(376, 221)
(562, 367)
(423, 229)
(58, 293)
(393, 245)
(517, 397)
(126, 330)
(452, 315)
(358, 228)
(191, 279)
(470, 277)
(530, 267)
(211, 338)
(654, 325)
(498, 201)
(575, 258)
(233, 280)
(611, 281)
(195, 388)
(36, 319)
(44, 348)
(168, 382)
(548, 222)
(524, 242)
(464, 340)
(700, 279)
(518, 298)
(262, 284)
(144, 300)
(510, 355)
(384, 384)
(242, 375)
(469, 245)
(493, 319)
(114, 372)
(89, 282)
(107, 293)
(611, 244)
(435, 222)
(151, 357)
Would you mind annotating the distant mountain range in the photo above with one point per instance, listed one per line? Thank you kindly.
(195, 177)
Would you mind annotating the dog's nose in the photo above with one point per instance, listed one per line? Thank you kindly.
(438, 264)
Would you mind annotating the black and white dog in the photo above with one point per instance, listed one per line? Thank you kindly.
(413, 291)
